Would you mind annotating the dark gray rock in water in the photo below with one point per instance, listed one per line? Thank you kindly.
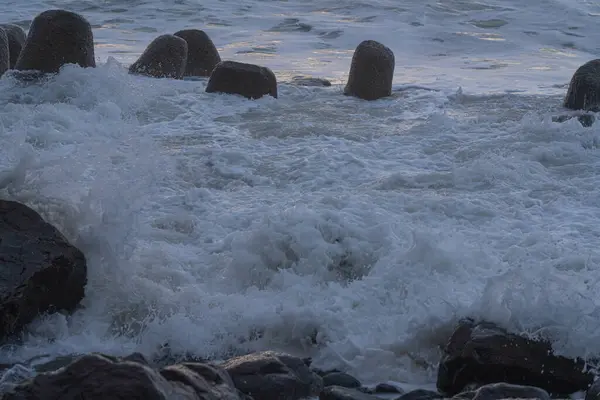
(249, 80)
(584, 88)
(202, 55)
(4, 52)
(340, 379)
(499, 391)
(387, 388)
(16, 41)
(342, 393)
(309, 81)
(94, 376)
(484, 353)
(371, 72)
(420, 394)
(56, 38)
(593, 393)
(40, 271)
(273, 376)
(165, 57)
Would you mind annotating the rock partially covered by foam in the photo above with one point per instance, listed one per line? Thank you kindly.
(103, 377)
(40, 271)
(483, 353)
(16, 41)
(500, 391)
(584, 88)
(4, 52)
(202, 55)
(56, 38)
(165, 57)
(271, 375)
(371, 71)
(249, 80)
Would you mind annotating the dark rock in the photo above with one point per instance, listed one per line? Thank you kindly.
(340, 379)
(56, 38)
(249, 80)
(371, 72)
(165, 57)
(273, 376)
(16, 41)
(40, 272)
(309, 81)
(584, 88)
(468, 395)
(387, 388)
(586, 120)
(499, 391)
(322, 373)
(202, 55)
(342, 393)
(593, 393)
(94, 376)
(420, 394)
(4, 52)
(484, 353)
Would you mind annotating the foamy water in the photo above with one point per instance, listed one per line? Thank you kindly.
(354, 232)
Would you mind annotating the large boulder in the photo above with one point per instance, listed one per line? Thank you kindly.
(165, 57)
(202, 55)
(271, 375)
(584, 88)
(4, 52)
(16, 41)
(40, 271)
(371, 71)
(56, 38)
(249, 80)
(483, 353)
(99, 377)
(344, 393)
(501, 391)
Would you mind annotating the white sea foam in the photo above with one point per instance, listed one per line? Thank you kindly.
(355, 232)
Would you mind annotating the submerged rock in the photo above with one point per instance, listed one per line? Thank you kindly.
(40, 271)
(584, 88)
(340, 379)
(56, 38)
(165, 57)
(499, 391)
(249, 80)
(271, 375)
(371, 71)
(309, 81)
(343, 393)
(420, 394)
(16, 41)
(202, 55)
(484, 353)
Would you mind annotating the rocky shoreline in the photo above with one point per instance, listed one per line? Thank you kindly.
(42, 273)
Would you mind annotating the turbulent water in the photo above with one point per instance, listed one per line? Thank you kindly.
(354, 232)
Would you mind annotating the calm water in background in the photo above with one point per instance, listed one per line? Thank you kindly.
(354, 232)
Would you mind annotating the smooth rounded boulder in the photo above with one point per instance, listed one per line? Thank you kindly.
(4, 52)
(202, 55)
(371, 71)
(56, 38)
(165, 57)
(249, 80)
(16, 41)
(584, 88)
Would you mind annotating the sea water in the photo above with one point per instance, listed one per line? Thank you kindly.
(357, 233)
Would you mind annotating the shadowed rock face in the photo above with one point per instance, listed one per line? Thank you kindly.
(4, 52)
(16, 41)
(165, 57)
(483, 353)
(56, 38)
(39, 271)
(371, 71)
(249, 80)
(584, 88)
(202, 56)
